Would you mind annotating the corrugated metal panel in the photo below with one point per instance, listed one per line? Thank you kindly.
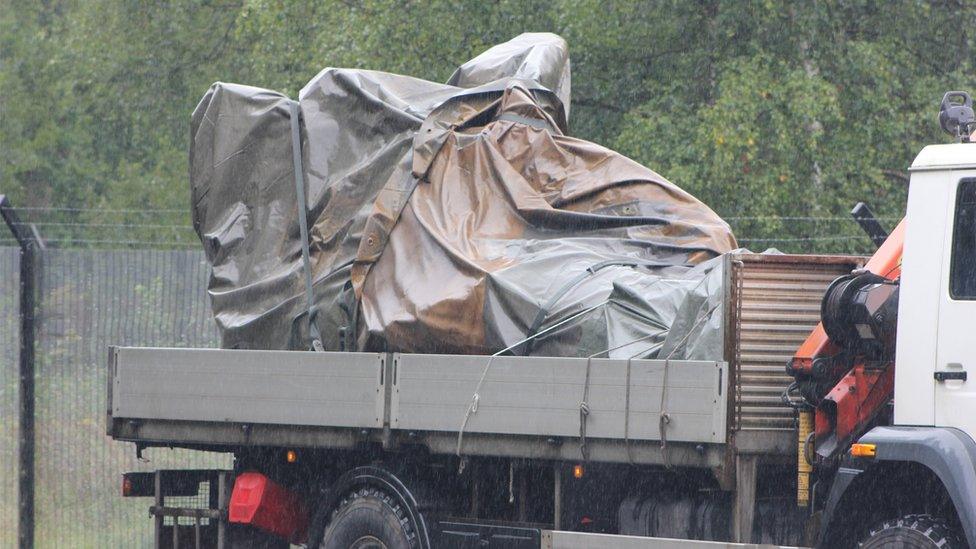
(777, 305)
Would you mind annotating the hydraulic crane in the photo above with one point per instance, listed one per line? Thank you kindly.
(845, 370)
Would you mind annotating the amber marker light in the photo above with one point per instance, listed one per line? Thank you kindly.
(291, 456)
(863, 450)
(578, 471)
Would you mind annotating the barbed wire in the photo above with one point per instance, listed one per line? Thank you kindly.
(193, 243)
(801, 218)
(186, 210)
(102, 210)
(12, 242)
(84, 238)
(804, 239)
(100, 225)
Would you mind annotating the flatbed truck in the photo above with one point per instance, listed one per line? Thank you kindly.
(526, 458)
(419, 451)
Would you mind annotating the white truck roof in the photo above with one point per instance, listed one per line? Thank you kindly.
(950, 156)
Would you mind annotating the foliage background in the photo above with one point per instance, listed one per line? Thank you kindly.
(780, 115)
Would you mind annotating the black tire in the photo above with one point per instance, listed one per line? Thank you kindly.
(912, 532)
(369, 518)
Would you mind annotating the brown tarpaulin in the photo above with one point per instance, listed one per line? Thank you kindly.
(444, 218)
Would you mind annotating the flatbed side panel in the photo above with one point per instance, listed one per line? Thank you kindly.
(269, 387)
(541, 396)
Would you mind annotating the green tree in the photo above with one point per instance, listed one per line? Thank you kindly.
(768, 110)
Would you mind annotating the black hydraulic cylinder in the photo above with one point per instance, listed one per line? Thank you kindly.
(865, 218)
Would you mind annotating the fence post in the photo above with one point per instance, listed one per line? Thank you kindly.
(29, 245)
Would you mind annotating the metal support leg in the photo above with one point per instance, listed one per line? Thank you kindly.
(222, 496)
(475, 491)
(744, 511)
(523, 494)
(158, 518)
(557, 496)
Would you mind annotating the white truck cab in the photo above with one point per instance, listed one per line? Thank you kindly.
(936, 345)
(918, 476)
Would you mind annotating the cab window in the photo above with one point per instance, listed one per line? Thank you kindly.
(962, 277)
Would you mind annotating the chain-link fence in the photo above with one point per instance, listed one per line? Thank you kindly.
(88, 300)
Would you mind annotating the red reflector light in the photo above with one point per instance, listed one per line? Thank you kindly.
(141, 485)
(258, 501)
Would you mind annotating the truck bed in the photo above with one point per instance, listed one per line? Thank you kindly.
(528, 407)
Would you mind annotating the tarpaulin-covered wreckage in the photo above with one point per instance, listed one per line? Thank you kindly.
(382, 212)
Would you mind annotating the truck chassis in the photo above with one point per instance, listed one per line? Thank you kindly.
(500, 429)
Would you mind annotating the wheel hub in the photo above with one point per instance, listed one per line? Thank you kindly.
(368, 542)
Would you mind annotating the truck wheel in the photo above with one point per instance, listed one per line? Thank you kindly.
(912, 532)
(369, 518)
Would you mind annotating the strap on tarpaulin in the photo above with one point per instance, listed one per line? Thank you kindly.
(296, 154)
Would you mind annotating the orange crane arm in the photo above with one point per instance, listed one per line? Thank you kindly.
(858, 386)
(885, 262)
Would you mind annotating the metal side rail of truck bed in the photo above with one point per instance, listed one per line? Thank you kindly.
(554, 539)
(527, 407)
